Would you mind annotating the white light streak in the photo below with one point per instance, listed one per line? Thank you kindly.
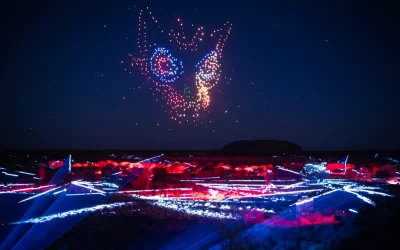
(94, 189)
(35, 196)
(71, 213)
(31, 189)
(8, 174)
(21, 172)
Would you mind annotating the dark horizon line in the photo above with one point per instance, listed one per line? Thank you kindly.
(215, 150)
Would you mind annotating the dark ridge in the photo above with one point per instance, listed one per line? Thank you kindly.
(261, 147)
(226, 151)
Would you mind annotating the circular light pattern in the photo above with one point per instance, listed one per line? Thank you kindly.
(208, 68)
(161, 69)
(164, 66)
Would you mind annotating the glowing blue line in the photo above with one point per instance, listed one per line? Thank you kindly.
(73, 212)
(25, 173)
(293, 185)
(19, 184)
(69, 164)
(84, 194)
(94, 189)
(369, 192)
(141, 162)
(13, 175)
(205, 178)
(363, 198)
(149, 158)
(26, 189)
(288, 170)
(313, 198)
(32, 197)
(60, 191)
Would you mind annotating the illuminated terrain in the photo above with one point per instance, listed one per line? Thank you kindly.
(217, 204)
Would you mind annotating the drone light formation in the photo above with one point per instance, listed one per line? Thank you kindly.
(162, 70)
(164, 66)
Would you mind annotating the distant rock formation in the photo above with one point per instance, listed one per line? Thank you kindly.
(261, 147)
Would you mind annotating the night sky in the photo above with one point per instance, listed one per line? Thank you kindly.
(322, 74)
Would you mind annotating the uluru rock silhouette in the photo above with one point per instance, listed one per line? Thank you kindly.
(261, 147)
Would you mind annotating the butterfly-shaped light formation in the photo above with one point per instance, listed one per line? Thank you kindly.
(161, 69)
